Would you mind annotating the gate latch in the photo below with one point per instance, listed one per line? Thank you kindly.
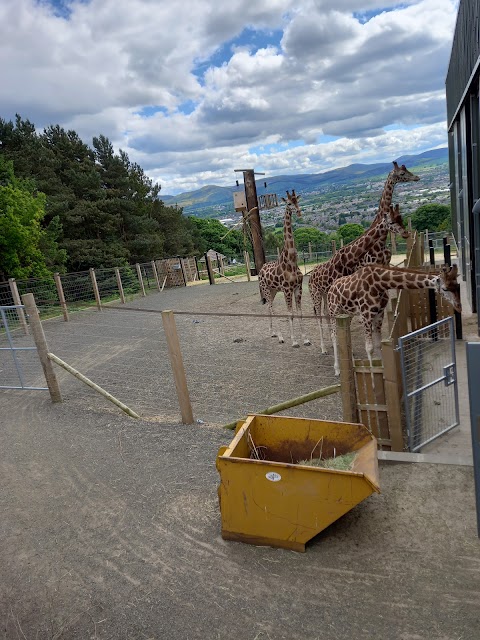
(450, 374)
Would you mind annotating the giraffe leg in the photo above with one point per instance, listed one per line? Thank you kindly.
(298, 303)
(323, 314)
(367, 328)
(377, 322)
(377, 334)
(270, 297)
(333, 332)
(289, 301)
(317, 308)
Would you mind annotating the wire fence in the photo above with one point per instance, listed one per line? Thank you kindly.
(20, 367)
(233, 366)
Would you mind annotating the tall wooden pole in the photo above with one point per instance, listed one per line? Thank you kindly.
(255, 224)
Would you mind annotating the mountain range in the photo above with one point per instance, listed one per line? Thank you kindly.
(214, 201)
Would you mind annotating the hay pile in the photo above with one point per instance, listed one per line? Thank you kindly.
(341, 463)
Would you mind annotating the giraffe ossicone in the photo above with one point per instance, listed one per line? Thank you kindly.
(284, 275)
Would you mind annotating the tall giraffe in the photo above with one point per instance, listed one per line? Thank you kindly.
(365, 292)
(283, 274)
(379, 253)
(347, 259)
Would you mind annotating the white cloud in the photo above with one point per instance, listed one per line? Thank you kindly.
(304, 70)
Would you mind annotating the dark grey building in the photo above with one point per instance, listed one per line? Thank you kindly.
(463, 113)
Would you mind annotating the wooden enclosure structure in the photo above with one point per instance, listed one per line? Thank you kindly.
(374, 396)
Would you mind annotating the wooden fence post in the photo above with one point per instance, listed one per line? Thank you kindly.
(394, 243)
(61, 296)
(155, 273)
(119, 284)
(208, 264)
(393, 392)
(310, 255)
(178, 369)
(184, 271)
(334, 247)
(42, 348)
(140, 279)
(347, 376)
(96, 292)
(197, 268)
(18, 302)
(247, 264)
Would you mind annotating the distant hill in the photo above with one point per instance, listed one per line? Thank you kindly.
(214, 201)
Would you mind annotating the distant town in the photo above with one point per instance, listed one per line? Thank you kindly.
(329, 207)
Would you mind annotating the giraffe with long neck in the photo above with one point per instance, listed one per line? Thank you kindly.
(284, 275)
(379, 252)
(347, 259)
(365, 293)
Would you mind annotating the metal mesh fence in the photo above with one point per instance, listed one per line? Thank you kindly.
(78, 290)
(44, 291)
(429, 379)
(20, 366)
(6, 298)
(148, 277)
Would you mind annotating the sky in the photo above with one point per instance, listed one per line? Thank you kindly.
(194, 89)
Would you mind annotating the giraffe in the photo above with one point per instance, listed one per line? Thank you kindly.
(365, 292)
(379, 253)
(284, 275)
(346, 260)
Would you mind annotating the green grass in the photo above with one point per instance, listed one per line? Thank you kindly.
(340, 463)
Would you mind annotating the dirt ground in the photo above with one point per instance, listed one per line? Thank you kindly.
(110, 526)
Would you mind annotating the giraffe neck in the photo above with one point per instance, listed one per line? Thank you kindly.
(387, 195)
(393, 279)
(289, 253)
(357, 248)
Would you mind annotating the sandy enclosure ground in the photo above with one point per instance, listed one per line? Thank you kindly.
(110, 526)
(232, 365)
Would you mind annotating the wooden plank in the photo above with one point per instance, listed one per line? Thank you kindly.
(92, 385)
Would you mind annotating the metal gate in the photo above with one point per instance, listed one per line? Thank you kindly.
(429, 374)
(19, 363)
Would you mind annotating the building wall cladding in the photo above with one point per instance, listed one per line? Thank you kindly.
(465, 54)
(462, 92)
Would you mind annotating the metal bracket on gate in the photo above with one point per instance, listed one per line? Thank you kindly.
(450, 372)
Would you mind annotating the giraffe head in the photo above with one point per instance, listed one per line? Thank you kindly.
(448, 287)
(394, 222)
(402, 174)
(292, 202)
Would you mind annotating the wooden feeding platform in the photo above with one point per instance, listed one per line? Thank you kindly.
(268, 498)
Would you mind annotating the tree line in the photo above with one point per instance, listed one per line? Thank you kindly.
(66, 206)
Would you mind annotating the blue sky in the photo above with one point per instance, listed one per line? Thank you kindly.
(195, 89)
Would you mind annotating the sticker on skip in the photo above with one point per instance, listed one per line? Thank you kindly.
(273, 477)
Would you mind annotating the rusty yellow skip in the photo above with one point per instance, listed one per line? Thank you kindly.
(277, 502)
